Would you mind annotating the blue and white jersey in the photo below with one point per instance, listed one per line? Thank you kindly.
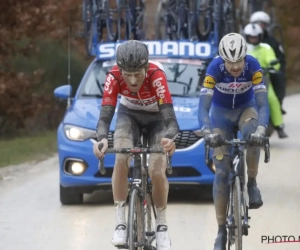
(232, 92)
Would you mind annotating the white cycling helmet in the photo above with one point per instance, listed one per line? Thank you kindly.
(232, 47)
(253, 29)
(260, 16)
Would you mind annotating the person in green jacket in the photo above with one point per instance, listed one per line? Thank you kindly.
(265, 55)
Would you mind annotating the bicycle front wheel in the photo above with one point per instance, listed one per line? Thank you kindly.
(237, 195)
(135, 222)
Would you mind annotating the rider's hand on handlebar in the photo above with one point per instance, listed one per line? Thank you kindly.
(258, 138)
(100, 154)
(214, 140)
(168, 145)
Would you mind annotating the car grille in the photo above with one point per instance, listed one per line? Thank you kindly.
(185, 139)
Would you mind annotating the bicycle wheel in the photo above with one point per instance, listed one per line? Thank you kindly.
(160, 21)
(203, 18)
(111, 20)
(237, 195)
(87, 12)
(229, 17)
(245, 11)
(135, 223)
(218, 21)
(171, 21)
(183, 20)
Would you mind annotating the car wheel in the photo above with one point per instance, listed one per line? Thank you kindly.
(68, 196)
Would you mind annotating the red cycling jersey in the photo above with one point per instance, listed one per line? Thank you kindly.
(153, 91)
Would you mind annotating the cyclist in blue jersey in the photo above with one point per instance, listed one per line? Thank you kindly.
(233, 94)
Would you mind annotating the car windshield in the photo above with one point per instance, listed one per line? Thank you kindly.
(182, 76)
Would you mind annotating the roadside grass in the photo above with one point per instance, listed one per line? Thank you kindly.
(36, 147)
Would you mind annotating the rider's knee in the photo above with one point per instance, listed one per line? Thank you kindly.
(248, 127)
(157, 166)
(248, 121)
(222, 164)
(122, 162)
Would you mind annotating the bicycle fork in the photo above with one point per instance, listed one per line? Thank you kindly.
(230, 222)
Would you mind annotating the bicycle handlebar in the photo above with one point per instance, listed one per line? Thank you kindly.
(136, 150)
(238, 142)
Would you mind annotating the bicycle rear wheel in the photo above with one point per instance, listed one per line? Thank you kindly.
(237, 195)
(135, 223)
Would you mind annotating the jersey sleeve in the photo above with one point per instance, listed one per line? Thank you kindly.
(160, 87)
(210, 79)
(111, 91)
(270, 56)
(257, 77)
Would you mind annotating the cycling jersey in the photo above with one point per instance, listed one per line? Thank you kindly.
(232, 92)
(153, 90)
(152, 102)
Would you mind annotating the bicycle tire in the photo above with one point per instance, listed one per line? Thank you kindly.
(87, 24)
(203, 36)
(183, 19)
(229, 18)
(237, 195)
(110, 23)
(159, 21)
(218, 7)
(245, 10)
(135, 224)
(140, 23)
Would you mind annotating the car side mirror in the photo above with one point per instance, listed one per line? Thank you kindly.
(63, 92)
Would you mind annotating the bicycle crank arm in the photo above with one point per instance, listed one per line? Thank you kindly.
(231, 226)
(150, 234)
(123, 246)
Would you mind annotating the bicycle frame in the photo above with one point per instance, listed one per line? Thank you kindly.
(237, 218)
(141, 189)
(237, 209)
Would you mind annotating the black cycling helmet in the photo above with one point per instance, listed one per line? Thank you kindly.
(132, 55)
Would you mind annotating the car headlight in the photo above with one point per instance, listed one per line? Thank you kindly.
(75, 133)
(77, 168)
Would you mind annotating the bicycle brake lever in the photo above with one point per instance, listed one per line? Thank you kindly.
(169, 166)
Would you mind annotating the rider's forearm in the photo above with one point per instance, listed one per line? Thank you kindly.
(203, 111)
(263, 107)
(107, 113)
(168, 114)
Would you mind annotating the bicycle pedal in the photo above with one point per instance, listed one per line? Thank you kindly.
(231, 226)
(149, 234)
(246, 226)
(123, 246)
(245, 231)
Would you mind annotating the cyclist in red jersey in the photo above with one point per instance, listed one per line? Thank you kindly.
(145, 103)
